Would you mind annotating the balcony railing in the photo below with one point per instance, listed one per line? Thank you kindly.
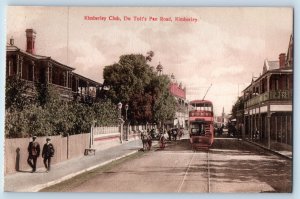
(63, 91)
(279, 95)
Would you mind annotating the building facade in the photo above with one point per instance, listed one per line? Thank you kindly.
(268, 105)
(33, 68)
(181, 115)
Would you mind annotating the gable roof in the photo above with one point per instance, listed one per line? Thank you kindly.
(270, 65)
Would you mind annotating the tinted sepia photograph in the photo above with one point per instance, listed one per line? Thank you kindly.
(149, 99)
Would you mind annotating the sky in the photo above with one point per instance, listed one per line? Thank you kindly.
(222, 47)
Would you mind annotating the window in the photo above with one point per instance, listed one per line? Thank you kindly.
(276, 84)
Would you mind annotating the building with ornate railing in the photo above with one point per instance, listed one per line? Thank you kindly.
(33, 68)
(268, 104)
(179, 93)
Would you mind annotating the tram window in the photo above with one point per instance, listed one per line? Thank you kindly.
(195, 131)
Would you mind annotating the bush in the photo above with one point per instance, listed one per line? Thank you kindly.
(49, 115)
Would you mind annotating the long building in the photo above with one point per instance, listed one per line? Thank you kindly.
(32, 68)
(268, 105)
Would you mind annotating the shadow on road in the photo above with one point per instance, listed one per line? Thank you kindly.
(233, 160)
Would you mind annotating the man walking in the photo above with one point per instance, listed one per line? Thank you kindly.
(47, 153)
(33, 153)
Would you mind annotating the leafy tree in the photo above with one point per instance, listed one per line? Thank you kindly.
(38, 121)
(46, 94)
(141, 109)
(165, 104)
(133, 81)
(15, 93)
(238, 106)
(105, 113)
(127, 77)
(150, 55)
(16, 124)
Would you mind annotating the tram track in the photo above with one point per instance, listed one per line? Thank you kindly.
(190, 165)
(208, 172)
(185, 174)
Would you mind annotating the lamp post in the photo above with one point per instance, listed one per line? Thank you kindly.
(126, 109)
(121, 121)
(120, 110)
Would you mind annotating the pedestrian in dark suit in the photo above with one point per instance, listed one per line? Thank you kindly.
(33, 153)
(47, 153)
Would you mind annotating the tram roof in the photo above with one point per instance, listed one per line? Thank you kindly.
(200, 102)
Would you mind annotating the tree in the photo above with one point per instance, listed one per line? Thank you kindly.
(141, 109)
(150, 55)
(165, 103)
(16, 96)
(16, 124)
(46, 94)
(132, 81)
(238, 106)
(127, 77)
(127, 81)
(105, 113)
(18, 102)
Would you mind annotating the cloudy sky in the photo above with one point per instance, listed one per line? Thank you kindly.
(225, 47)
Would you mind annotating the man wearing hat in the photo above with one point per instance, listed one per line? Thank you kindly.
(47, 153)
(33, 153)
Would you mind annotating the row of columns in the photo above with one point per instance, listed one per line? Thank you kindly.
(67, 75)
(262, 123)
(20, 64)
(285, 129)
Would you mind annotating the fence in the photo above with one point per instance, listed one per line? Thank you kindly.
(103, 136)
(66, 147)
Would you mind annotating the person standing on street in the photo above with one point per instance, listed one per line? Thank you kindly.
(33, 153)
(47, 153)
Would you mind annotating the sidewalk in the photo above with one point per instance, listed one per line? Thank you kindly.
(276, 148)
(33, 182)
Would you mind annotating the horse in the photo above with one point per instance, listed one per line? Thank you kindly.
(180, 134)
(147, 141)
(162, 141)
(174, 133)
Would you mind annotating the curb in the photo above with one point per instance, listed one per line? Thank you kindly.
(67, 177)
(270, 150)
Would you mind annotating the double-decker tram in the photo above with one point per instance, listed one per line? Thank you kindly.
(201, 120)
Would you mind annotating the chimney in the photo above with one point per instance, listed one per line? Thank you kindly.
(11, 41)
(30, 36)
(282, 60)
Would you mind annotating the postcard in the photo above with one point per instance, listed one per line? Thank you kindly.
(149, 99)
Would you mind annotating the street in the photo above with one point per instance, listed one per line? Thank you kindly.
(228, 166)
